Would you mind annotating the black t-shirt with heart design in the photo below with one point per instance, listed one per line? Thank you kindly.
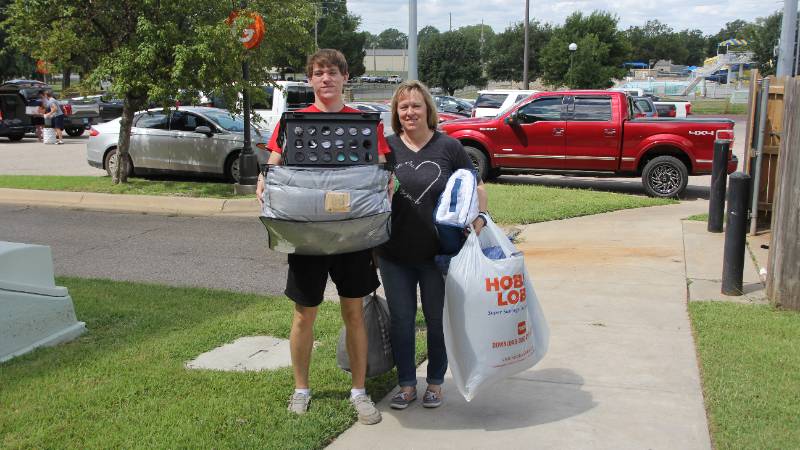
(422, 176)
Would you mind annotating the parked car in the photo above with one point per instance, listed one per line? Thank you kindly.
(20, 101)
(452, 105)
(492, 102)
(645, 107)
(679, 109)
(720, 76)
(396, 79)
(189, 140)
(13, 120)
(382, 108)
(90, 110)
(444, 117)
(273, 101)
(590, 133)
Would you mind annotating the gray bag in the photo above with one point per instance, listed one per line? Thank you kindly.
(379, 352)
(326, 210)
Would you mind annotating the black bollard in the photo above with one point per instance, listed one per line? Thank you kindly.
(733, 261)
(719, 177)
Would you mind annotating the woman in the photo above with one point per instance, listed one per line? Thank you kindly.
(423, 159)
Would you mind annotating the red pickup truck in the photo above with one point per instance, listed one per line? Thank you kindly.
(592, 133)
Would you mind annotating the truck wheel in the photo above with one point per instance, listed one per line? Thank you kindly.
(15, 137)
(479, 160)
(111, 166)
(494, 172)
(74, 131)
(665, 177)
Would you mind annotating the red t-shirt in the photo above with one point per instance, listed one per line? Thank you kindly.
(383, 147)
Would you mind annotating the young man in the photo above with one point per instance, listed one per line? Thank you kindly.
(54, 111)
(353, 273)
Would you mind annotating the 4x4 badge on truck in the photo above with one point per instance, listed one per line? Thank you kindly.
(701, 133)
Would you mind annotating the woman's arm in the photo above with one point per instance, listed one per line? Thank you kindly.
(483, 204)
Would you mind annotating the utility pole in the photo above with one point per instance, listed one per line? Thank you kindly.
(786, 46)
(412, 40)
(316, 24)
(525, 52)
(483, 64)
(451, 21)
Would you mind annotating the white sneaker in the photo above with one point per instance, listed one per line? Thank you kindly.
(298, 403)
(368, 414)
(59, 142)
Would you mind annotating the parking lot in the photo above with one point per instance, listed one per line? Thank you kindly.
(29, 157)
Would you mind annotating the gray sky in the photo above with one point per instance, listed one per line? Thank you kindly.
(706, 15)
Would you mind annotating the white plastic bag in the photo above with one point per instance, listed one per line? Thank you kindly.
(493, 324)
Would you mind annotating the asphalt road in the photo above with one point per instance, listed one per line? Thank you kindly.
(223, 253)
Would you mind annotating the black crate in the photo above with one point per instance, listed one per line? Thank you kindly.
(330, 139)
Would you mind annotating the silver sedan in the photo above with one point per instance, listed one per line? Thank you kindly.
(188, 140)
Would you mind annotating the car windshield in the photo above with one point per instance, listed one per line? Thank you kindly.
(226, 121)
(490, 100)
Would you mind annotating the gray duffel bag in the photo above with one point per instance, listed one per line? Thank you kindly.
(377, 321)
(326, 210)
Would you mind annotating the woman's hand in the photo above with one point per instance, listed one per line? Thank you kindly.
(478, 224)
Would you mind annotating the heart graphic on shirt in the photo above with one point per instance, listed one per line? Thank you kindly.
(416, 168)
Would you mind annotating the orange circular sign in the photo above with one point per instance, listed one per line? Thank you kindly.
(253, 33)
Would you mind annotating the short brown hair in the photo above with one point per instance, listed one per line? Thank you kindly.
(326, 57)
(406, 88)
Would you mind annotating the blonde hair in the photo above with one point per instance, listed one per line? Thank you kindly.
(405, 89)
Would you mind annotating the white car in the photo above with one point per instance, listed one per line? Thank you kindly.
(188, 140)
(492, 102)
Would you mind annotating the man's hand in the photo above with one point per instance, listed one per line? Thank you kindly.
(260, 189)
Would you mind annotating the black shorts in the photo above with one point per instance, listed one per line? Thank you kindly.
(353, 274)
(58, 122)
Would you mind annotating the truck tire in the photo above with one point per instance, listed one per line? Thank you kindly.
(479, 160)
(107, 163)
(665, 177)
(74, 131)
(15, 137)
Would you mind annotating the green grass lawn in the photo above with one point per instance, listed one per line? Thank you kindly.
(699, 217)
(701, 106)
(508, 203)
(135, 186)
(750, 360)
(521, 204)
(123, 384)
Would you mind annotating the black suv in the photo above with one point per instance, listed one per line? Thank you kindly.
(15, 97)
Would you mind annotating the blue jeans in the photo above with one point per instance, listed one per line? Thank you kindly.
(400, 282)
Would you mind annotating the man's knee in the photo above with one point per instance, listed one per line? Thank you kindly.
(352, 312)
(304, 317)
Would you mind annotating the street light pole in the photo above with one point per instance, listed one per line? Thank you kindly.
(572, 48)
(412, 40)
(248, 163)
(525, 52)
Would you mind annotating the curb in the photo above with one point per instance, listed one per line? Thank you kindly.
(147, 204)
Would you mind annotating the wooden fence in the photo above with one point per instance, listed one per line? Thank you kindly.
(783, 272)
(769, 159)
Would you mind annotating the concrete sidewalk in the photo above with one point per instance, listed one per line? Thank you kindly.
(150, 204)
(621, 372)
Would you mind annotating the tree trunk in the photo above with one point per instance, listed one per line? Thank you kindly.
(121, 158)
(65, 80)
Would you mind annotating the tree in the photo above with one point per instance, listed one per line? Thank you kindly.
(762, 37)
(151, 50)
(601, 51)
(695, 44)
(425, 33)
(337, 29)
(655, 41)
(369, 39)
(392, 38)
(450, 60)
(506, 58)
(13, 63)
(731, 30)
